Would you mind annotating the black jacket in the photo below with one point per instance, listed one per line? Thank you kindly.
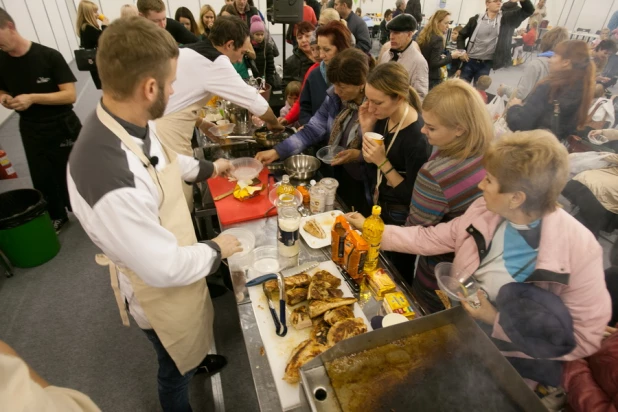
(249, 12)
(179, 32)
(537, 111)
(295, 67)
(433, 52)
(312, 96)
(511, 19)
(89, 36)
(414, 8)
(384, 32)
(265, 61)
(316, 6)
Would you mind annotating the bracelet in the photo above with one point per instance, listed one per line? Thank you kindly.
(389, 170)
(383, 163)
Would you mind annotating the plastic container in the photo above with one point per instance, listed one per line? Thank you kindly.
(317, 202)
(373, 228)
(27, 235)
(242, 259)
(328, 153)
(460, 286)
(330, 185)
(266, 260)
(277, 200)
(222, 130)
(246, 168)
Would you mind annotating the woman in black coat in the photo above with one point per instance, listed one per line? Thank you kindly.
(89, 31)
(432, 43)
(302, 58)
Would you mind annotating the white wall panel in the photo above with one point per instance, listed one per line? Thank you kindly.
(193, 5)
(19, 12)
(112, 7)
(59, 30)
(41, 23)
(68, 25)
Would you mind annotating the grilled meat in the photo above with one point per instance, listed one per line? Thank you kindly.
(300, 319)
(325, 276)
(319, 333)
(319, 290)
(295, 296)
(302, 354)
(345, 329)
(318, 307)
(338, 314)
(301, 280)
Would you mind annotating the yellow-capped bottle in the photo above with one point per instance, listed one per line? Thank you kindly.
(285, 188)
(373, 228)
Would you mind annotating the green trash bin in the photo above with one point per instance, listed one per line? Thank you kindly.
(27, 235)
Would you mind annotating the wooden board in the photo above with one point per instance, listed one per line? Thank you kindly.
(278, 349)
(231, 210)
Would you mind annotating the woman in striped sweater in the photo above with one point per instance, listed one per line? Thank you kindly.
(460, 128)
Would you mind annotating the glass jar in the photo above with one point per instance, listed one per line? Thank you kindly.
(288, 231)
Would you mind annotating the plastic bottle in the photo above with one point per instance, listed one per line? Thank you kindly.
(285, 188)
(373, 228)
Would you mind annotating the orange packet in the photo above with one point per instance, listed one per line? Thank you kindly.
(339, 232)
(355, 254)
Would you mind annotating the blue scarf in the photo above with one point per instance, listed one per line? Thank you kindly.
(547, 54)
(323, 71)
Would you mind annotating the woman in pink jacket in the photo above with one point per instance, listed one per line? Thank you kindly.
(517, 233)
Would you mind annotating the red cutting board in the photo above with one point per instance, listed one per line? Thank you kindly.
(232, 210)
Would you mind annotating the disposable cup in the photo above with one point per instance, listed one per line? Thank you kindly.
(376, 137)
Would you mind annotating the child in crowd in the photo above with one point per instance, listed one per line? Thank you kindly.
(264, 58)
(454, 68)
(482, 85)
(292, 93)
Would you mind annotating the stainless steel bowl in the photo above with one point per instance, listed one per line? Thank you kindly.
(301, 167)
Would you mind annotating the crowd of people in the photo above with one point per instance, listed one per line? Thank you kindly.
(451, 189)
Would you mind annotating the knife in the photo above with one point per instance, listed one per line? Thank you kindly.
(355, 287)
(287, 272)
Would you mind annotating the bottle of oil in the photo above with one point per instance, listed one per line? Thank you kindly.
(285, 188)
(373, 228)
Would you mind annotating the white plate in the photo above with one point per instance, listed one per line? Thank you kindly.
(326, 221)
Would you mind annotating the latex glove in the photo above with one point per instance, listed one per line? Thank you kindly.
(267, 156)
(373, 152)
(347, 156)
(355, 219)
(486, 313)
(228, 244)
(21, 102)
(223, 166)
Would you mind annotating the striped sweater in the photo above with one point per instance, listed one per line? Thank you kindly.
(444, 189)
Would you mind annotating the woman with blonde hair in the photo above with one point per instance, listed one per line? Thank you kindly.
(128, 10)
(458, 125)
(207, 19)
(88, 29)
(393, 110)
(432, 41)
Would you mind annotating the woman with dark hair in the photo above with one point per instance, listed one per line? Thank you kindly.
(568, 90)
(184, 16)
(301, 59)
(336, 123)
(228, 10)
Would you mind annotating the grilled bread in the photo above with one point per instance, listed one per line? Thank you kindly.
(318, 307)
(319, 290)
(338, 314)
(299, 318)
(302, 354)
(319, 333)
(295, 296)
(345, 329)
(301, 280)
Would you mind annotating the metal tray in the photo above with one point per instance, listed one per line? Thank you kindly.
(469, 378)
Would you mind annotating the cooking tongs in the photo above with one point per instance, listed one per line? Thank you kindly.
(281, 328)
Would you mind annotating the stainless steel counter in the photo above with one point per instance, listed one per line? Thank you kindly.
(265, 232)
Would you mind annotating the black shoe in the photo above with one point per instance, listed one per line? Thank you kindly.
(59, 223)
(211, 364)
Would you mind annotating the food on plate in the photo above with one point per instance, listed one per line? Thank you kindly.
(247, 189)
(345, 329)
(319, 290)
(319, 333)
(295, 296)
(302, 354)
(299, 318)
(297, 281)
(314, 229)
(325, 276)
(338, 314)
(318, 307)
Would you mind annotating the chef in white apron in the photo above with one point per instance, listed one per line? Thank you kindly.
(126, 191)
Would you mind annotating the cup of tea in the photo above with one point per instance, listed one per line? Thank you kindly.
(376, 137)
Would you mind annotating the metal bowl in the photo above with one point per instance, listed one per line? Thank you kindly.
(301, 167)
(268, 139)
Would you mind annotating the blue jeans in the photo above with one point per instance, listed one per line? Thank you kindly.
(474, 69)
(173, 387)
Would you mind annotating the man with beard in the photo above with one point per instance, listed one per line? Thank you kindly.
(403, 50)
(126, 192)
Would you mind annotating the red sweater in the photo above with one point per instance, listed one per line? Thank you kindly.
(592, 383)
(294, 112)
(530, 37)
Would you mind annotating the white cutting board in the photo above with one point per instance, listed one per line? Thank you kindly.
(326, 221)
(278, 349)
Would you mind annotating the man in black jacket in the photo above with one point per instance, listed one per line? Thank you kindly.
(490, 36)
(356, 25)
(414, 8)
(245, 11)
(154, 10)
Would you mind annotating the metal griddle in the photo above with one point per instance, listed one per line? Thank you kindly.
(470, 377)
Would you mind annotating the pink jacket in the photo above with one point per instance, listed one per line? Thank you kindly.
(569, 264)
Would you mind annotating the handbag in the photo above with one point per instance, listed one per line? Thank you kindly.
(599, 124)
(86, 59)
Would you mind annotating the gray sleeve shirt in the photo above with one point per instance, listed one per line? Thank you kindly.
(486, 40)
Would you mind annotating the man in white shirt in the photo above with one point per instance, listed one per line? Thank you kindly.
(125, 187)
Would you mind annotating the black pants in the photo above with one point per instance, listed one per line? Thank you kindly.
(48, 144)
(591, 214)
